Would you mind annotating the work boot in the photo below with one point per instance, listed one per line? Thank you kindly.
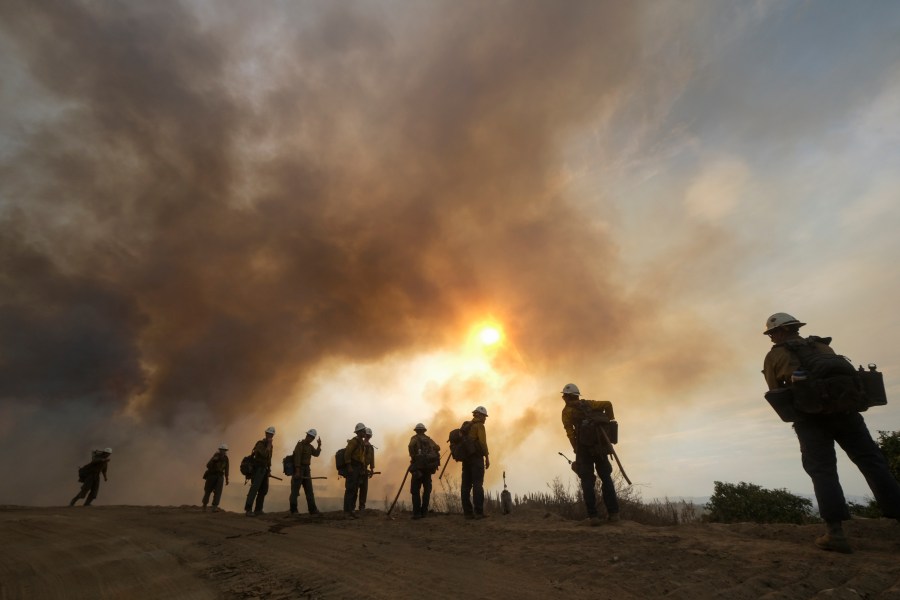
(416, 516)
(204, 508)
(834, 540)
(350, 515)
(74, 500)
(216, 509)
(595, 521)
(614, 517)
(88, 503)
(249, 513)
(481, 516)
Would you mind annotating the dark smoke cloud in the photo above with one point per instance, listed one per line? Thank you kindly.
(217, 205)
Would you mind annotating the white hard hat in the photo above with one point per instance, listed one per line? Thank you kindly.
(368, 431)
(359, 427)
(223, 446)
(780, 320)
(480, 410)
(270, 429)
(108, 450)
(419, 426)
(312, 432)
(571, 388)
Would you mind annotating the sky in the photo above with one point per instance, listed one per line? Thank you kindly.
(216, 217)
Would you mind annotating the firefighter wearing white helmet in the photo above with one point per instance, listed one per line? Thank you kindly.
(370, 469)
(261, 460)
(472, 481)
(302, 477)
(354, 469)
(89, 476)
(822, 419)
(591, 454)
(424, 460)
(782, 320)
(215, 477)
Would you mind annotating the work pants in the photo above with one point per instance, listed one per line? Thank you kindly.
(305, 482)
(472, 482)
(89, 487)
(420, 488)
(817, 435)
(363, 489)
(356, 472)
(259, 487)
(587, 464)
(214, 484)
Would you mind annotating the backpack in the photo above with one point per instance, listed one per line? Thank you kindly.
(83, 473)
(590, 430)
(247, 466)
(287, 464)
(461, 445)
(427, 459)
(339, 458)
(832, 384)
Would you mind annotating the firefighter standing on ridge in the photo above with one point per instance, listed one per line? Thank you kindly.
(303, 454)
(370, 469)
(259, 478)
(216, 474)
(424, 460)
(817, 434)
(472, 485)
(354, 468)
(589, 458)
(89, 475)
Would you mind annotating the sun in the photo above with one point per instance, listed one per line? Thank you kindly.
(489, 335)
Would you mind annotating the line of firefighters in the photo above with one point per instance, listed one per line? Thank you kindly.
(809, 385)
(356, 463)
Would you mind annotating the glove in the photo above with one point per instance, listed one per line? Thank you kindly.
(575, 466)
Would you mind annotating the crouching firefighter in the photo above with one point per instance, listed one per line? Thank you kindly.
(582, 420)
(822, 394)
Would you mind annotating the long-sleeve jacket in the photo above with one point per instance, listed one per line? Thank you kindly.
(304, 451)
(218, 464)
(370, 455)
(477, 432)
(99, 464)
(355, 451)
(262, 454)
(573, 411)
(780, 363)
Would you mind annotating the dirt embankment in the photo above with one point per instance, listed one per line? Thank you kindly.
(179, 552)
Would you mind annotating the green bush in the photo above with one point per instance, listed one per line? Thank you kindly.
(742, 502)
(889, 442)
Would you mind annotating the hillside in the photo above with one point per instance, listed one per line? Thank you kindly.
(139, 552)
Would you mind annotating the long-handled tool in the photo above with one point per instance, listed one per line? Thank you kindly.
(613, 452)
(445, 466)
(565, 457)
(405, 475)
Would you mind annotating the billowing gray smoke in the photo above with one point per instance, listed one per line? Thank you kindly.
(198, 208)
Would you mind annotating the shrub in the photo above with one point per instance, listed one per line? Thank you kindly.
(732, 503)
(889, 442)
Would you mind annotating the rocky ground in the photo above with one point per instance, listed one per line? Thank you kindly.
(138, 552)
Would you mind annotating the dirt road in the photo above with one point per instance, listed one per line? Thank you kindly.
(180, 552)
